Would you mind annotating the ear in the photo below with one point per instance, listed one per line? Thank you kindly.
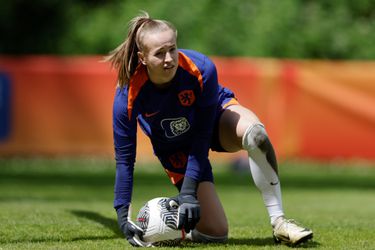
(141, 57)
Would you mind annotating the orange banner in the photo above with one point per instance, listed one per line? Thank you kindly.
(315, 109)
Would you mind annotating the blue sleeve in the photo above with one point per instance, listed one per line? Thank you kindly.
(198, 163)
(124, 134)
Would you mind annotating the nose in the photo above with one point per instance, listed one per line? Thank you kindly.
(168, 57)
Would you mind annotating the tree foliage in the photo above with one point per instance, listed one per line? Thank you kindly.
(336, 29)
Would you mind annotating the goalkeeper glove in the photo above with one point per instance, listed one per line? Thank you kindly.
(189, 208)
(132, 232)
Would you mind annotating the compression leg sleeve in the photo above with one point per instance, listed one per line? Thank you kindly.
(263, 167)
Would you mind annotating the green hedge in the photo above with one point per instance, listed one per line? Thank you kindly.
(336, 29)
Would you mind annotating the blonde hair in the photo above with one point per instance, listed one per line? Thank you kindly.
(125, 57)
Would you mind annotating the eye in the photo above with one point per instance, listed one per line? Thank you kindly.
(159, 53)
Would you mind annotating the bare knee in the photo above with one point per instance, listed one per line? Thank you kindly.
(217, 229)
(212, 232)
(213, 221)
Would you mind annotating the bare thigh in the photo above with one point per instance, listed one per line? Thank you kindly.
(213, 221)
(233, 124)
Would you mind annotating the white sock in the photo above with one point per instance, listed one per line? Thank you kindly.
(267, 181)
(264, 174)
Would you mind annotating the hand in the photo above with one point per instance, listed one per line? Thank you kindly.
(188, 212)
(132, 232)
(189, 208)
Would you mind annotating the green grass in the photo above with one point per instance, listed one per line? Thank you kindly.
(67, 204)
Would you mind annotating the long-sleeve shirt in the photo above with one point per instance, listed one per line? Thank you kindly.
(180, 116)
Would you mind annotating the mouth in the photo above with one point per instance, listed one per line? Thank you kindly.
(169, 67)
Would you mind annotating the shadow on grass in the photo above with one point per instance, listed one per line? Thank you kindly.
(51, 239)
(112, 224)
(265, 242)
(96, 217)
(251, 241)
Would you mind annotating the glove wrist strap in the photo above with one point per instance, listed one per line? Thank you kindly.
(189, 186)
(122, 215)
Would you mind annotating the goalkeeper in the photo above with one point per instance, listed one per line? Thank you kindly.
(179, 104)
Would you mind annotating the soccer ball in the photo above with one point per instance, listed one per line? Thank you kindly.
(159, 223)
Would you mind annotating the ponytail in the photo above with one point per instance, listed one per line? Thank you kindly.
(125, 57)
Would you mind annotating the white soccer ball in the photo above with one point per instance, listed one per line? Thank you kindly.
(159, 223)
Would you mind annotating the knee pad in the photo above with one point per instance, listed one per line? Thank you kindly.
(197, 236)
(254, 137)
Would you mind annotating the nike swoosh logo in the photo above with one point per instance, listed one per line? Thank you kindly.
(151, 114)
(274, 183)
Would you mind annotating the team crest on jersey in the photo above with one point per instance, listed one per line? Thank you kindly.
(178, 160)
(186, 97)
(175, 126)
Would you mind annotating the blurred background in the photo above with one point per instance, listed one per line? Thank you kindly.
(305, 67)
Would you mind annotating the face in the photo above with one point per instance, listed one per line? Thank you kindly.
(160, 56)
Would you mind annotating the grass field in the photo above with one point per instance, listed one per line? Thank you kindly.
(67, 204)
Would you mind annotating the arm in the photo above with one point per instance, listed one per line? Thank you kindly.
(198, 166)
(124, 134)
